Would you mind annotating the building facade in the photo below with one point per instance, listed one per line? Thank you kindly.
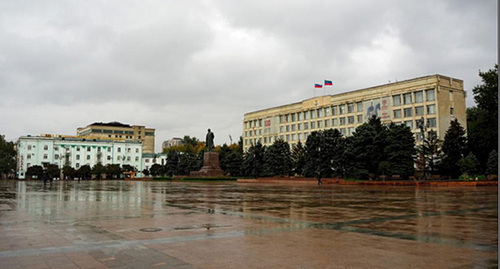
(119, 132)
(149, 160)
(171, 143)
(76, 151)
(437, 99)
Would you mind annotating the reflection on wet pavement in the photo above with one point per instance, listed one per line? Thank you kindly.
(72, 221)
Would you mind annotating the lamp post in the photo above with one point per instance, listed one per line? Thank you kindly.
(423, 129)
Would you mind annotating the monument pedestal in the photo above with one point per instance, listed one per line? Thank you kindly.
(210, 167)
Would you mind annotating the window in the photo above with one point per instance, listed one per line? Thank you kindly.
(293, 117)
(128, 158)
(288, 128)
(281, 119)
(419, 111)
(299, 126)
(77, 165)
(287, 119)
(45, 147)
(327, 123)
(431, 122)
(77, 148)
(350, 107)
(287, 138)
(419, 97)
(136, 158)
(451, 111)
(88, 157)
(327, 111)
(299, 136)
(342, 109)
(359, 106)
(119, 149)
(407, 112)
(431, 109)
(334, 110)
(299, 116)
(409, 123)
(320, 124)
(28, 156)
(407, 98)
(260, 122)
(397, 113)
(360, 118)
(335, 122)
(350, 120)
(78, 157)
(128, 150)
(320, 112)
(56, 157)
(350, 130)
(430, 95)
(313, 114)
(293, 137)
(282, 129)
(108, 158)
(56, 148)
(313, 124)
(306, 115)
(306, 125)
(29, 147)
(342, 131)
(293, 127)
(88, 148)
(396, 100)
(342, 121)
(45, 156)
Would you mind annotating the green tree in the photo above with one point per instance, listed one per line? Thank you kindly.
(366, 149)
(171, 165)
(7, 158)
(156, 170)
(253, 164)
(98, 170)
(277, 160)
(145, 172)
(482, 121)
(187, 163)
(52, 170)
(113, 171)
(399, 150)
(469, 165)
(84, 172)
(454, 148)
(68, 171)
(233, 164)
(431, 148)
(298, 156)
(492, 167)
(35, 171)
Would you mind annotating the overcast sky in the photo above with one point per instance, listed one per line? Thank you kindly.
(184, 66)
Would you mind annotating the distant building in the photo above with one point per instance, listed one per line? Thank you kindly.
(149, 159)
(436, 98)
(76, 151)
(118, 132)
(172, 142)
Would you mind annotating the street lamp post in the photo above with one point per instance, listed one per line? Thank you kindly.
(423, 129)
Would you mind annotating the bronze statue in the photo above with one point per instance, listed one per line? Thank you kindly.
(210, 141)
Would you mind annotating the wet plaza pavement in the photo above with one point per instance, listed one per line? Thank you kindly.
(134, 224)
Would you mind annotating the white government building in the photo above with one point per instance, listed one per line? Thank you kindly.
(55, 149)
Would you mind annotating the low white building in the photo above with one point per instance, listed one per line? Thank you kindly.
(48, 149)
(148, 159)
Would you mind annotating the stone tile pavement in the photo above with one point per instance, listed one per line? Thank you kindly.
(127, 224)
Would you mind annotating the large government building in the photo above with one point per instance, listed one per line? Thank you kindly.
(118, 131)
(438, 99)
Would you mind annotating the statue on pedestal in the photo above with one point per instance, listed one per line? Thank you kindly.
(210, 141)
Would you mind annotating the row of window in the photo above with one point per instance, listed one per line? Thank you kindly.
(344, 131)
(56, 157)
(56, 148)
(414, 111)
(431, 122)
(408, 98)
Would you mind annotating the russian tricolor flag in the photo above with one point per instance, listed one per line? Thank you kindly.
(328, 83)
(318, 86)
